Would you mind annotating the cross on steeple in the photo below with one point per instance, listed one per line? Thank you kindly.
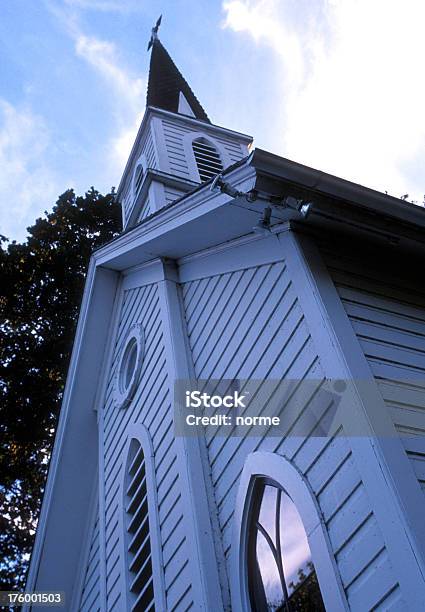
(154, 35)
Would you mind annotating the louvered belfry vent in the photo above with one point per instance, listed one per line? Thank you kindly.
(207, 159)
(139, 544)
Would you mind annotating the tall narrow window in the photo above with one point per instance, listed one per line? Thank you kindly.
(207, 159)
(141, 583)
(281, 575)
(138, 178)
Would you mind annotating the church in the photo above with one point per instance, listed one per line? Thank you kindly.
(241, 274)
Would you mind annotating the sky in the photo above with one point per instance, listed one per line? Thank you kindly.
(334, 84)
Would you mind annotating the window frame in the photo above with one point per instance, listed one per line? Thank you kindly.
(124, 396)
(267, 465)
(188, 140)
(139, 432)
(135, 189)
(202, 140)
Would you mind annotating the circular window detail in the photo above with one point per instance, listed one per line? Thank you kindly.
(129, 366)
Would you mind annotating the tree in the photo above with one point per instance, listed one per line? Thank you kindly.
(42, 282)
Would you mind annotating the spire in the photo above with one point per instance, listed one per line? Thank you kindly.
(167, 87)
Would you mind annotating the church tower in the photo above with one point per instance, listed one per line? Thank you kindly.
(177, 147)
(289, 292)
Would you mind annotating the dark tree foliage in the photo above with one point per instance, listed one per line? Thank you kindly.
(41, 287)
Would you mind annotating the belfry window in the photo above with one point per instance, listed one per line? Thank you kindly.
(141, 583)
(207, 158)
(281, 575)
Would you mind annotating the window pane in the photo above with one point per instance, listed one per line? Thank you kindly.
(269, 574)
(281, 575)
(131, 362)
(295, 549)
(267, 514)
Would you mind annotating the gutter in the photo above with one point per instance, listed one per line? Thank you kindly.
(304, 177)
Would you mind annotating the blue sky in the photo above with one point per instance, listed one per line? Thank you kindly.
(335, 84)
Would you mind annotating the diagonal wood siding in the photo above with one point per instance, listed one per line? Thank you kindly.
(90, 595)
(249, 324)
(150, 406)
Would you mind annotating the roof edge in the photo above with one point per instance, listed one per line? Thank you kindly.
(336, 187)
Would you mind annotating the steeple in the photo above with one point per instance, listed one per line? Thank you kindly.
(177, 147)
(167, 88)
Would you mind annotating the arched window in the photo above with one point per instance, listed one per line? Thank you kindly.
(139, 173)
(281, 574)
(138, 178)
(208, 160)
(282, 558)
(141, 543)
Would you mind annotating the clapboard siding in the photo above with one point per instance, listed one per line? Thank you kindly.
(388, 316)
(147, 149)
(249, 324)
(146, 211)
(174, 134)
(150, 406)
(90, 595)
(172, 194)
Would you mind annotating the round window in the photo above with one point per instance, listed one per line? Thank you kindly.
(129, 366)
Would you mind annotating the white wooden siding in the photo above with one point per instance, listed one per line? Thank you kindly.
(249, 324)
(150, 406)
(172, 194)
(146, 211)
(90, 595)
(146, 148)
(388, 317)
(174, 133)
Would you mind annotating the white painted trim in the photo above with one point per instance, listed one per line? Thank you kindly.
(392, 488)
(102, 519)
(137, 431)
(77, 422)
(147, 274)
(124, 395)
(188, 139)
(160, 145)
(196, 511)
(99, 405)
(280, 469)
(192, 207)
(240, 254)
(77, 593)
(156, 195)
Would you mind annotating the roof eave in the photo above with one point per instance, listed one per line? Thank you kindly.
(328, 185)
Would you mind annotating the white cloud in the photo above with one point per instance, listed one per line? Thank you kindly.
(126, 90)
(119, 6)
(350, 92)
(103, 57)
(27, 185)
